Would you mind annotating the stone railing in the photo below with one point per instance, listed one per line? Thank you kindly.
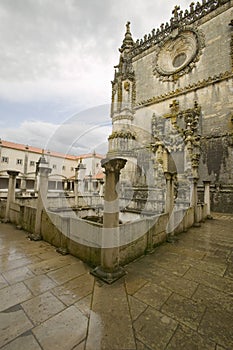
(83, 238)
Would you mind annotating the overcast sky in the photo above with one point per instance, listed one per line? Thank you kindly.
(57, 59)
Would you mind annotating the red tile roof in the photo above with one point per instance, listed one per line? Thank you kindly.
(32, 149)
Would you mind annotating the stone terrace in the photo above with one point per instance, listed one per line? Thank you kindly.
(178, 297)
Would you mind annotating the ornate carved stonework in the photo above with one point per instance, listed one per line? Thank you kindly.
(180, 91)
(179, 19)
(122, 134)
(178, 53)
(231, 24)
(176, 131)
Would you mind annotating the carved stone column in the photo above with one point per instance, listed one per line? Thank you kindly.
(110, 271)
(76, 187)
(43, 172)
(169, 205)
(11, 192)
(79, 181)
(207, 197)
(169, 199)
(81, 169)
(23, 186)
(195, 201)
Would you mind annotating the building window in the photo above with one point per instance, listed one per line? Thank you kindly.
(72, 169)
(54, 166)
(19, 161)
(5, 160)
(32, 163)
(63, 167)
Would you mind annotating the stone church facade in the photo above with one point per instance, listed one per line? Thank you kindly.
(172, 109)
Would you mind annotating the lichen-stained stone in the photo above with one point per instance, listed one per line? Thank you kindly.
(42, 307)
(230, 258)
(217, 325)
(185, 338)
(23, 342)
(141, 346)
(229, 271)
(213, 298)
(136, 307)
(153, 295)
(172, 282)
(218, 347)
(133, 282)
(110, 322)
(216, 268)
(63, 331)
(211, 280)
(184, 310)
(13, 295)
(12, 324)
(154, 329)
(174, 264)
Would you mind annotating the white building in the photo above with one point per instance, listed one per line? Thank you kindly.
(24, 158)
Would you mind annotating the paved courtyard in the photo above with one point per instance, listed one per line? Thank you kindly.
(178, 297)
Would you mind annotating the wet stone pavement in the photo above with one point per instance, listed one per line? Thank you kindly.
(178, 297)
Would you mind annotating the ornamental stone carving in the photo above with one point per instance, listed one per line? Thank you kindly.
(177, 54)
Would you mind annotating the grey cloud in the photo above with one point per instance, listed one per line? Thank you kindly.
(34, 32)
(65, 50)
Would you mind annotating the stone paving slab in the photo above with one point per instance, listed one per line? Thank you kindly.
(179, 297)
(23, 342)
(39, 284)
(74, 290)
(63, 331)
(17, 275)
(184, 338)
(184, 310)
(13, 295)
(42, 307)
(13, 323)
(110, 310)
(153, 295)
(217, 325)
(154, 329)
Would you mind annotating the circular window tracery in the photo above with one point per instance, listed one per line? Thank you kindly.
(177, 55)
(179, 60)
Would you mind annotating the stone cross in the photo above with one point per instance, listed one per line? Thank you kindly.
(175, 11)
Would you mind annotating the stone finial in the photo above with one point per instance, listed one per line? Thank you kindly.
(128, 40)
(192, 7)
(175, 12)
(128, 28)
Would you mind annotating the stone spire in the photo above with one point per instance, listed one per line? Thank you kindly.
(128, 40)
